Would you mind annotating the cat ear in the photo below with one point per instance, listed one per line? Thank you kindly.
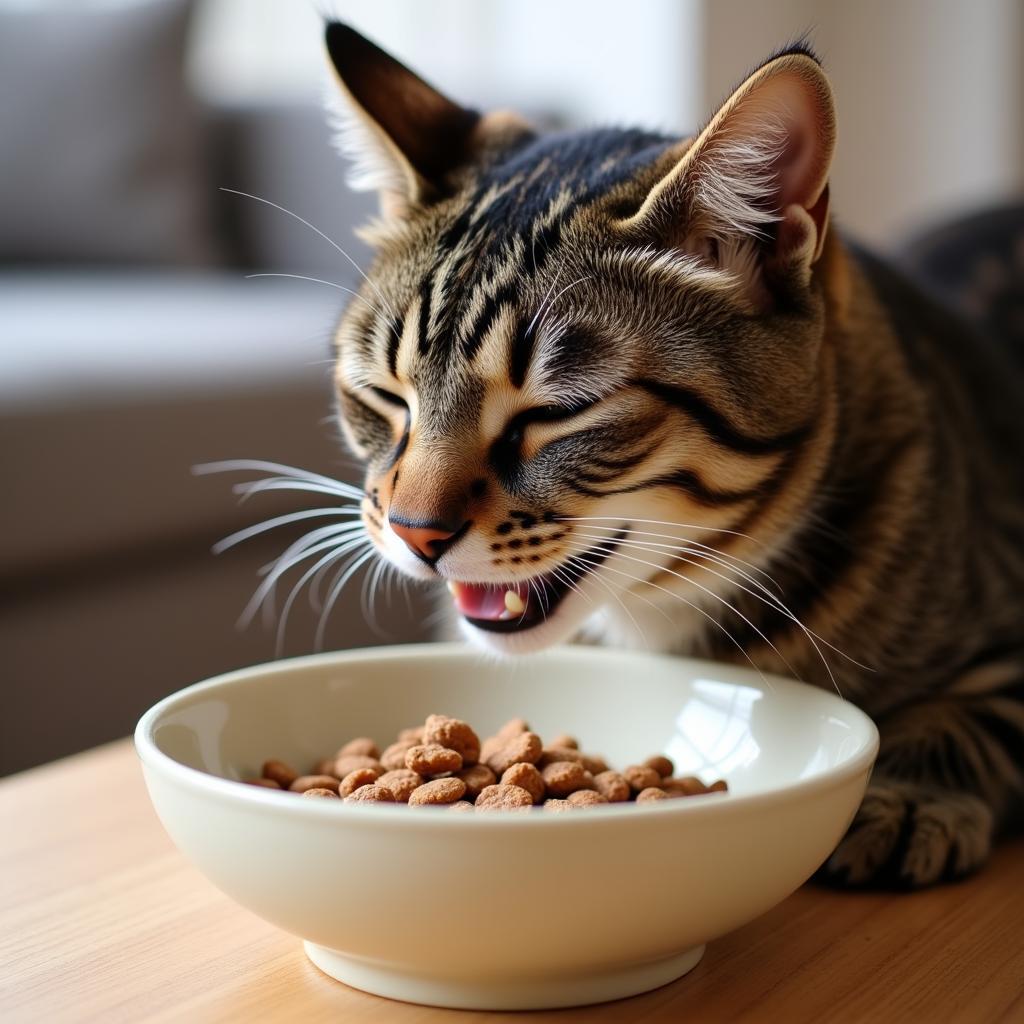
(403, 136)
(752, 188)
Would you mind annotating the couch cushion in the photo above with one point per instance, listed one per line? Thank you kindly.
(101, 157)
(113, 386)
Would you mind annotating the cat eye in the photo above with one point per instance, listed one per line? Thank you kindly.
(392, 399)
(513, 434)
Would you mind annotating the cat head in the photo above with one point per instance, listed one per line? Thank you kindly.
(577, 355)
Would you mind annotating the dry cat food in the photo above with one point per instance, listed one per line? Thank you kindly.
(443, 763)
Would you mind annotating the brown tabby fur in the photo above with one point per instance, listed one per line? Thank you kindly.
(705, 355)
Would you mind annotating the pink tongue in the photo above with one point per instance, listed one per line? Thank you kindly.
(479, 601)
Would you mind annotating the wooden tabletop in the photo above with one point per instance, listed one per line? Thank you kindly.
(101, 919)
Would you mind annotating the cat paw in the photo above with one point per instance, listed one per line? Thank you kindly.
(908, 835)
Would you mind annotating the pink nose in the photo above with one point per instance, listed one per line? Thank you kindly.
(428, 541)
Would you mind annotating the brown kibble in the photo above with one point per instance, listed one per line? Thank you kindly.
(440, 791)
(586, 798)
(454, 734)
(661, 764)
(362, 746)
(265, 783)
(350, 762)
(432, 759)
(512, 728)
(503, 798)
(645, 796)
(526, 777)
(277, 771)
(320, 791)
(460, 805)
(719, 786)
(401, 782)
(523, 748)
(477, 778)
(555, 804)
(325, 766)
(564, 777)
(563, 739)
(688, 785)
(371, 795)
(612, 786)
(490, 747)
(552, 755)
(304, 782)
(354, 780)
(595, 765)
(641, 777)
(393, 757)
(412, 735)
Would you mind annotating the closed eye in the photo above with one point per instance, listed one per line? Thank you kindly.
(392, 399)
(513, 433)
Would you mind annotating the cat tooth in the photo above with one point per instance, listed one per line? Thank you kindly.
(514, 603)
(450, 584)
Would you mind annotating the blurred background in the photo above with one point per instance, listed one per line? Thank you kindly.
(134, 345)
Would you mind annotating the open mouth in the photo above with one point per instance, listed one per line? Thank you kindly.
(512, 607)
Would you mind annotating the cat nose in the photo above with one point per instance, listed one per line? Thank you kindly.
(427, 541)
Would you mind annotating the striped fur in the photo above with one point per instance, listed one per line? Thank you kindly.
(645, 368)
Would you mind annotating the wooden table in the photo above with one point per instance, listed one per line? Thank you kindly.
(102, 920)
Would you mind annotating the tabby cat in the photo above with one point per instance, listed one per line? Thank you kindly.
(624, 386)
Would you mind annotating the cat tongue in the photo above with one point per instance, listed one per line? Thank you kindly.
(480, 601)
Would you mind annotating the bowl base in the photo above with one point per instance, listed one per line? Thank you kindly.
(538, 993)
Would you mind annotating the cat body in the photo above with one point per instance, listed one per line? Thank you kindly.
(634, 388)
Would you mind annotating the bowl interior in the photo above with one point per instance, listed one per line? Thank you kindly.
(715, 721)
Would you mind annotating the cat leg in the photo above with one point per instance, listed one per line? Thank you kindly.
(949, 777)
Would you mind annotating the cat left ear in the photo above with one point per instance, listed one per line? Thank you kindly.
(404, 136)
(756, 176)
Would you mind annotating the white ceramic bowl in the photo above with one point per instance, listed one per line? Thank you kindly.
(509, 911)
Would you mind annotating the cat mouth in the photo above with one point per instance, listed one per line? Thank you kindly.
(525, 604)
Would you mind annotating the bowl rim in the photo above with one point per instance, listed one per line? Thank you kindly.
(397, 816)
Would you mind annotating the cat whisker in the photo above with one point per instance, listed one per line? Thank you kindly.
(326, 238)
(611, 590)
(337, 586)
(712, 595)
(287, 484)
(330, 284)
(270, 524)
(260, 466)
(651, 522)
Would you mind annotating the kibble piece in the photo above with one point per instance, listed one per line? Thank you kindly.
(552, 755)
(461, 805)
(503, 798)
(371, 795)
(361, 745)
(320, 791)
(564, 777)
(526, 777)
(283, 774)
(432, 759)
(440, 791)
(393, 757)
(595, 765)
(354, 780)
(641, 777)
(412, 735)
(513, 727)
(350, 762)
(651, 793)
(586, 798)
(612, 786)
(556, 804)
(304, 782)
(401, 782)
(661, 764)
(719, 786)
(688, 785)
(524, 748)
(266, 783)
(477, 778)
(325, 766)
(564, 740)
(454, 734)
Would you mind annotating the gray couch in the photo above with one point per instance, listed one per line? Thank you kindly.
(115, 381)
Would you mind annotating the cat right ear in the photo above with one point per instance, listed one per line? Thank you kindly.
(403, 136)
